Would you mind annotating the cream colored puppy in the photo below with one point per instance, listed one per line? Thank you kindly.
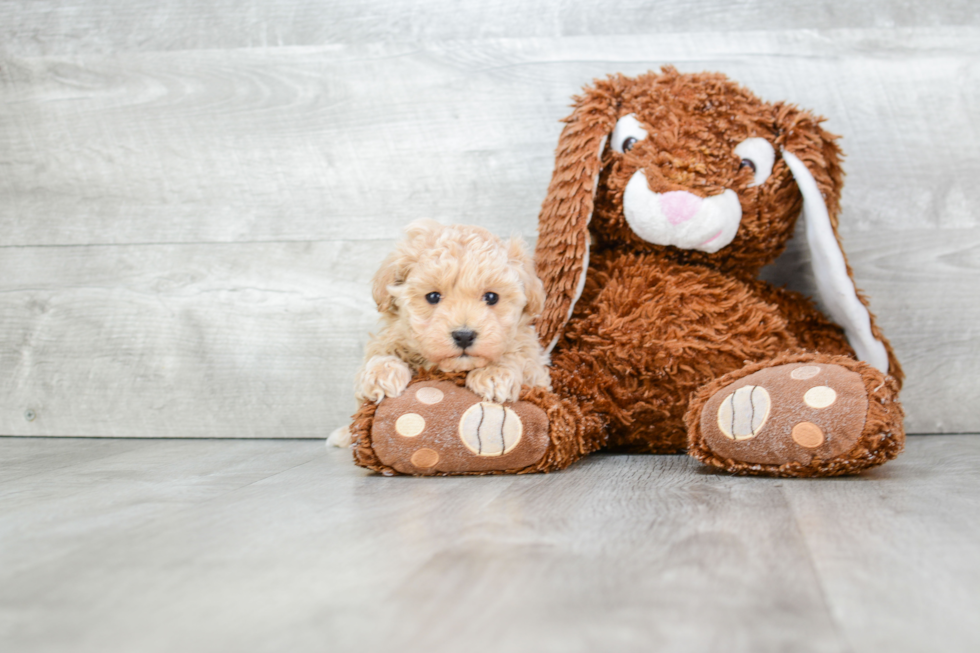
(458, 299)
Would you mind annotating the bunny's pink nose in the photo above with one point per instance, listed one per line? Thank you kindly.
(679, 206)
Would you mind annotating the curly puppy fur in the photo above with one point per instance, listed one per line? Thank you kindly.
(455, 299)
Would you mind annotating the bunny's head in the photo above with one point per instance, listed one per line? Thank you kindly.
(700, 170)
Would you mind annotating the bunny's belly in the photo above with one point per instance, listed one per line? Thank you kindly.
(648, 333)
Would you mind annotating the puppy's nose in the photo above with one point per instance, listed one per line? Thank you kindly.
(464, 337)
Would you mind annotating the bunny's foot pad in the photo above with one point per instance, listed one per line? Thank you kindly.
(801, 419)
(437, 427)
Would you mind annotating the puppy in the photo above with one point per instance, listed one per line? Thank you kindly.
(457, 299)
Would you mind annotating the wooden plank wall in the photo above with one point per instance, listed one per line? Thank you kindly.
(194, 194)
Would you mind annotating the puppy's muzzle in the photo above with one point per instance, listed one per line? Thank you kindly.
(464, 338)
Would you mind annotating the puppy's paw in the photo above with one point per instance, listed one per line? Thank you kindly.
(382, 376)
(340, 437)
(493, 383)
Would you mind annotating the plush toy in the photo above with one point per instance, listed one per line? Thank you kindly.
(670, 192)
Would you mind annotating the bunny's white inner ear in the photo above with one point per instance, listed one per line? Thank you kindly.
(835, 286)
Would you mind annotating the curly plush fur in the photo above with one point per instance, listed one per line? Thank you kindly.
(647, 317)
(655, 323)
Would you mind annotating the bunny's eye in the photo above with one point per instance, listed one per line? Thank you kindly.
(433, 297)
(627, 133)
(756, 154)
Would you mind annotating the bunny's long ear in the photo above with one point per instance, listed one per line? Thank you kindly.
(813, 157)
(562, 251)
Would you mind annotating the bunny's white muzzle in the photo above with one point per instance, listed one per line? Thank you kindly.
(680, 218)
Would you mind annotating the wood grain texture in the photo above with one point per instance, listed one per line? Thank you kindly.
(193, 196)
(902, 528)
(245, 340)
(80, 26)
(282, 545)
(349, 142)
(263, 339)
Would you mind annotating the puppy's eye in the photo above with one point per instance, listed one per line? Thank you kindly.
(627, 133)
(491, 298)
(433, 297)
(756, 154)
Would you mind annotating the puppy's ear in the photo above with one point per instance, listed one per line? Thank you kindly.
(813, 156)
(533, 288)
(398, 265)
(393, 270)
(562, 252)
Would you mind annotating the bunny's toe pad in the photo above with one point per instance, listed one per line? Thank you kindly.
(794, 413)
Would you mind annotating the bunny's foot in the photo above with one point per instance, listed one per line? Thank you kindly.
(437, 427)
(803, 415)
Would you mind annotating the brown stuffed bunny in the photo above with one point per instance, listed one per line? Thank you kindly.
(670, 192)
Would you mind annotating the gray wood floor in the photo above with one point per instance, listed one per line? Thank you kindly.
(273, 545)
